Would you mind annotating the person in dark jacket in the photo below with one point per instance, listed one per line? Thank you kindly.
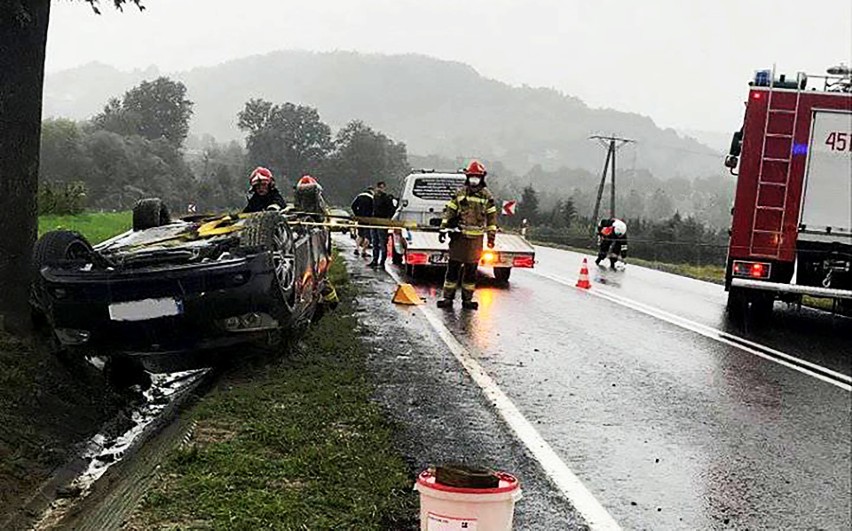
(263, 191)
(362, 207)
(383, 207)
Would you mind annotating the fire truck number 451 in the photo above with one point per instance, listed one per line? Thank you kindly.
(839, 141)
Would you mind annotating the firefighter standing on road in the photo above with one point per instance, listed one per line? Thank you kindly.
(473, 212)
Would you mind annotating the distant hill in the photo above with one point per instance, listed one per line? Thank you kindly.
(436, 107)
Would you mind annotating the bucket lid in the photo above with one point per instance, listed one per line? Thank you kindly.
(508, 483)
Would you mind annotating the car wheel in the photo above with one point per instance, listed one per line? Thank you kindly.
(150, 213)
(396, 258)
(269, 231)
(55, 247)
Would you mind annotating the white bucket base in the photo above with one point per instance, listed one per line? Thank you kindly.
(445, 508)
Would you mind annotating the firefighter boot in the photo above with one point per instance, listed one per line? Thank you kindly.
(449, 297)
(467, 300)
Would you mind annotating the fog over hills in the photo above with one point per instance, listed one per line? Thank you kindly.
(436, 107)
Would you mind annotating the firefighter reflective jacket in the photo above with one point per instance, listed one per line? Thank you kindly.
(474, 212)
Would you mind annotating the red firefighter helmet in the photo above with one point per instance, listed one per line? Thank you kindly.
(261, 175)
(475, 168)
(307, 182)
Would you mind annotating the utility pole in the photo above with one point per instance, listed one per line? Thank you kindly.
(612, 143)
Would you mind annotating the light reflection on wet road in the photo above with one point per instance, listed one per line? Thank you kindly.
(670, 429)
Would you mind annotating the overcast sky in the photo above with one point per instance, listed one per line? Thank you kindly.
(685, 63)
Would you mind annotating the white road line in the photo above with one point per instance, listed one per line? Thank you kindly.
(791, 362)
(571, 487)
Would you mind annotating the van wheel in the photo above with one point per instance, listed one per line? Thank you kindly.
(501, 274)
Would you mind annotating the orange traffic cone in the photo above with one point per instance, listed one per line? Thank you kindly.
(583, 281)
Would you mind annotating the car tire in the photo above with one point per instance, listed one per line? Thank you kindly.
(53, 248)
(268, 231)
(59, 245)
(502, 274)
(150, 213)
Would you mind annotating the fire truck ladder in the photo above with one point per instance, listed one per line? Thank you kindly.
(773, 217)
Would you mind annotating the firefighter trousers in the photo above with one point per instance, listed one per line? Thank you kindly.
(459, 272)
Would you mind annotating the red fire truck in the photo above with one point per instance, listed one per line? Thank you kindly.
(791, 233)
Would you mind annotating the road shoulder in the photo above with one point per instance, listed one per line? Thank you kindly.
(442, 414)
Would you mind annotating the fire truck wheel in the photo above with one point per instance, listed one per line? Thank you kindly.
(737, 303)
(762, 305)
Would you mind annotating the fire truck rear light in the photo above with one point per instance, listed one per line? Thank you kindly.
(756, 95)
(489, 257)
(758, 270)
(416, 258)
(523, 261)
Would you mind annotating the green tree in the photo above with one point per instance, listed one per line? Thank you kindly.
(289, 139)
(61, 156)
(361, 157)
(528, 207)
(153, 109)
(23, 41)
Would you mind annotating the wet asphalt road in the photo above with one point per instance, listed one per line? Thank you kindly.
(667, 428)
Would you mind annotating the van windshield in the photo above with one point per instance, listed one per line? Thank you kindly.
(436, 188)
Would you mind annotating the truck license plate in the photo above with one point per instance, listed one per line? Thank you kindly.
(145, 309)
(439, 259)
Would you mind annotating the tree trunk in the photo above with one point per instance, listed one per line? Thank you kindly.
(23, 39)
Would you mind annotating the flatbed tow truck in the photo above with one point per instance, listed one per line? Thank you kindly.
(424, 195)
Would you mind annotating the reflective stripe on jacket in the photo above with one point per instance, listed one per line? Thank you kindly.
(473, 212)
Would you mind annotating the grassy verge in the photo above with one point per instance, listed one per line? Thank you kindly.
(708, 273)
(294, 443)
(95, 226)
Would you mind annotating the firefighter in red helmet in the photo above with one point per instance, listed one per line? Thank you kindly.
(472, 213)
(263, 191)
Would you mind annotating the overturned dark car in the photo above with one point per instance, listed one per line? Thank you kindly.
(165, 294)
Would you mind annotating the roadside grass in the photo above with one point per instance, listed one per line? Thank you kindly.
(292, 443)
(95, 226)
(707, 273)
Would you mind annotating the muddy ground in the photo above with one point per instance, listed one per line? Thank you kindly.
(47, 407)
